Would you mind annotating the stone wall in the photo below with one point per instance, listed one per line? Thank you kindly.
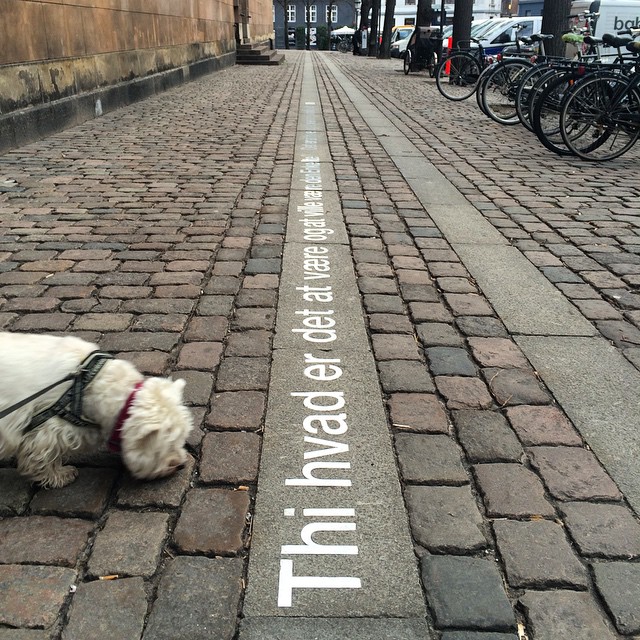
(63, 61)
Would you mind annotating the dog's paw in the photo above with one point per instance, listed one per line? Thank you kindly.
(61, 478)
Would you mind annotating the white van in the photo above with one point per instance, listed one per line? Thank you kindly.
(399, 39)
(501, 32)
(477, 29)
(615, 15)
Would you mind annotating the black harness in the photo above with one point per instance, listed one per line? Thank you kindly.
(69, 406)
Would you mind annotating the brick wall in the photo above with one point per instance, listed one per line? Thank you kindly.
(56, 49)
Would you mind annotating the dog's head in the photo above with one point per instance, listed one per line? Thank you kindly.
(154, 433)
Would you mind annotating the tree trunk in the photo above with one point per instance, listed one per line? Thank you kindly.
(308, 19)
(365, 7)
(286, 25)
(555, 21)
(424, 13)
(389, 10)
(373, 34)
(462, 16)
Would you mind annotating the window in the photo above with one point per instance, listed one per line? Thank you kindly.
(334, 14)
(311, 13)
(508, 35)
(407, 2)
(291, 13)
(410, 21)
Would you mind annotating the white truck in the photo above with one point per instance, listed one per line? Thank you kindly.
(615, 15)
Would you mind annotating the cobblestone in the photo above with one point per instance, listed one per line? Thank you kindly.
(211, 587)
(565, 615)
(225, 513)
(571, 473)
(619, 586)
(421, 412)
(32, 595)
(429, 458)
(486, 436)
(129, 544)
(230, 458)
(87, 497)
(603, 530)
(43, 540)
(515, 386)
(170, 256)
(165, 492)
(466, 592)
(92, 611)
(542, 426)
(537, 554)
(512, 491)
(445, 519)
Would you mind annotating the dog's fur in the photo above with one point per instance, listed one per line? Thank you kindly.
(153, 436)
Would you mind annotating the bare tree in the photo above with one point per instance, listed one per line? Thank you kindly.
(389, 10)
(365, 7)
(373, 36)
(555, 20)
(329, 27)
(283, 4)
(462, 16)
(424, 13)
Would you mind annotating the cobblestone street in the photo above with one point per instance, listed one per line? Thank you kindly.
(489, 307)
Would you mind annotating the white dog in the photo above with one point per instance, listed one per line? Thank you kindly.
(143, 418)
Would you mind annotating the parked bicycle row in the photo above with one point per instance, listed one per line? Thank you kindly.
(588, 106)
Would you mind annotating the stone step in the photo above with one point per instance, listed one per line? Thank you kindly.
(258, 54)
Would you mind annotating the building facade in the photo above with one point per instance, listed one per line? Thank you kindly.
(64, 62)
(343, 14)
(347, 13)
(530, 7)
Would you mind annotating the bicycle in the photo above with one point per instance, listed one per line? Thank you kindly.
(574, 38)
(551, 90)
(526, 92)
(497, 86)
(457, 75)
(606, 112)
(345, 45)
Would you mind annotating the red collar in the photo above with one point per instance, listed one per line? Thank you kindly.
(114, 443)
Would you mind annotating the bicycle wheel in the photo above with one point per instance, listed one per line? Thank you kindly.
(525, 91)
(484, 76)
(343, 47)
(538, 88)
(545, 118)
(499, 91)
(406, 63)
(457, 75)
(600, 118)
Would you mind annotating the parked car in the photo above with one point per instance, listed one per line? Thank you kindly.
(399, 37)
(477, 29)
(398, 47)
(501, 32)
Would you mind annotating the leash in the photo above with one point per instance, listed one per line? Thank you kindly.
(69, 406)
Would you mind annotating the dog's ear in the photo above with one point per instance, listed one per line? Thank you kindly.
(178, 388)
